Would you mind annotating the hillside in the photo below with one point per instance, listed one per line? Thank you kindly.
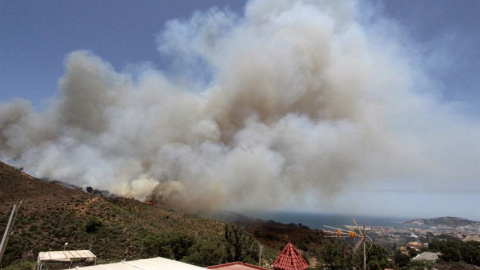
(274, 234)
(114, 228)
(443, 221)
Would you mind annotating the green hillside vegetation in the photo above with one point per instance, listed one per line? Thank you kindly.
(455, 250)
(112, 228)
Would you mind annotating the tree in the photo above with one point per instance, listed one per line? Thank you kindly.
(377, 258)
(334, 255)
(180, 244)
(456, 251)
(401, 259)
(173, 246)
(157, 245)
(206, 253)
(93, 225)
(412, 252)
(240, 245)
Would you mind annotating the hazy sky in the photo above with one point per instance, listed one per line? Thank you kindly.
(37, 36)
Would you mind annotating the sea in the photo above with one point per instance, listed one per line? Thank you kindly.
(318, 220)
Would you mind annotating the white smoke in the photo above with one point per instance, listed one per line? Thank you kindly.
(293, 98)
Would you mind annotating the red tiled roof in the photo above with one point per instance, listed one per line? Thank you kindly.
(236, 266)
(290, 259)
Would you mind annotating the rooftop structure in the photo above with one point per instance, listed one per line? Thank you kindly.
(416, 245)
(426, 256)
(66, 256)
(157, 263)
(290, 259)
(236, 266)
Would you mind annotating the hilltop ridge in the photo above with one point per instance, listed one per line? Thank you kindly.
(113, 228)
(443, 221)
(116, 228)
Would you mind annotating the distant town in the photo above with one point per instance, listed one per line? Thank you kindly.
(422, 231)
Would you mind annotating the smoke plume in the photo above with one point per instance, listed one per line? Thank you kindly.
(291, 100)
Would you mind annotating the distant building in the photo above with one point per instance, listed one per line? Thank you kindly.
(427, 256)
(415, 245)
(145, 264)
(404, 250)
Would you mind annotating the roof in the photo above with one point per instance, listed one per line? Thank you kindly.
(290, 259)
(426, 256)
(144, 264)
(236, 266)
(66, 255)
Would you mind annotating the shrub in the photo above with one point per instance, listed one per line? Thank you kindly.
(93, 225)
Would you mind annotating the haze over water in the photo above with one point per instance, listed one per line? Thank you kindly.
(317, 221)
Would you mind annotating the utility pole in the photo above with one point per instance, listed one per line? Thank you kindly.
(364, 253)
(10, 223)
(260, 255)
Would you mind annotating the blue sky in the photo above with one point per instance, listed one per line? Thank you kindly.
(451, 27)
(37, 35)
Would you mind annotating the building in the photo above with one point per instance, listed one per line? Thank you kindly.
(157, 263)
(427, 256)
(415, 245)
(236, 266)
(290, 259)
(66, 258)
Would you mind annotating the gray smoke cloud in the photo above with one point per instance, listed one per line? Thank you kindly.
(292, 99)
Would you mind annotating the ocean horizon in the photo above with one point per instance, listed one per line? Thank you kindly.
(319, 220)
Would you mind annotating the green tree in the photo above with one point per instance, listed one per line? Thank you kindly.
(401, 259)
(471, 252)
(240, 245)
(93, 225)
(334, 255)
(157, 245)
(174, 246)
(206, 253)
(180, 244)
(457, 251)
(377, 258)
(412, 252)
(26, 265)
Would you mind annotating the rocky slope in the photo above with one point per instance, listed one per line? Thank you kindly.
(115, 228)
(53, 213)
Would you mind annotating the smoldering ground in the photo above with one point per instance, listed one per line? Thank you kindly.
(294, 99)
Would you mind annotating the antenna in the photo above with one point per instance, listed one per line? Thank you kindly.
(352, 234)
